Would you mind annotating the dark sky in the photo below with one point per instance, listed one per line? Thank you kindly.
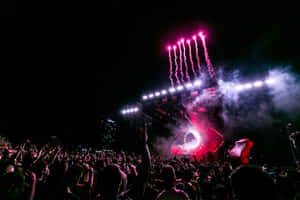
(44, 89)
(137, 60)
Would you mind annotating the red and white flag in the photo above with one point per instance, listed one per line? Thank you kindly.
(241, 150)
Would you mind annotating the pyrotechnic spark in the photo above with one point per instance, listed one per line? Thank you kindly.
(191, 59)
(171, 70)
(209, 65)
(197, 56)
(176, 65)
(180, 57)
(185, 63)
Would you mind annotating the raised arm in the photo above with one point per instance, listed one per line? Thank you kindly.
(146, 161)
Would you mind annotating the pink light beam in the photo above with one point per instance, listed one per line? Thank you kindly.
(185, 62)
(171, 70)
(191, 59)
(197, 55)
(180, 57)
(176, 65)
(209, 65)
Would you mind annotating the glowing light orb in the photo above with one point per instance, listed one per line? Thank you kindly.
(163, 92)
(270, 81)
(174, 47)
(151, 96)
(194, 37)
(258, 83)
(189, 85)
(123, 112)
(157, 94)
(182, 40)
(180, 87)
(136, 109)
(169, 48)
(239, 87)
(188, 41)
(172, 90)
(145, 97)
(248, 86)
(197, 83)
(178, 43)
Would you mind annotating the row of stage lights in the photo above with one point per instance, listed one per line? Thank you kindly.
(197, 84)
(130, 110)
(172, 90)
(256, 84)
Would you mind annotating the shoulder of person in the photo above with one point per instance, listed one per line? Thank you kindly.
(182, 193)
(160, 194)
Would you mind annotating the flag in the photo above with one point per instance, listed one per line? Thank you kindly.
(241, 150)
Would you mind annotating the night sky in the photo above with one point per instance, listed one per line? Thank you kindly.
(46, 92)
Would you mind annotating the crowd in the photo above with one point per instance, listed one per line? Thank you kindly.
(31, 171)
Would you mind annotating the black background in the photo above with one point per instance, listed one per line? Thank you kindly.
(49, 65)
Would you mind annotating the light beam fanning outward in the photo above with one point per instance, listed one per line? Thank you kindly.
(209, 65)
(180, 56)
(185, 63)
(197, 56)
(191, 59)
(171, 70)
(176, 65)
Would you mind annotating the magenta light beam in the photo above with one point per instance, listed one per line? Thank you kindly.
(197, 56)
(171, 70)
(185, 62)
(176, 65)
(209, 65)
(180, 56)
(191, 59)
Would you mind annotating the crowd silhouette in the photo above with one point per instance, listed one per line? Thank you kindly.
(44, 172)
